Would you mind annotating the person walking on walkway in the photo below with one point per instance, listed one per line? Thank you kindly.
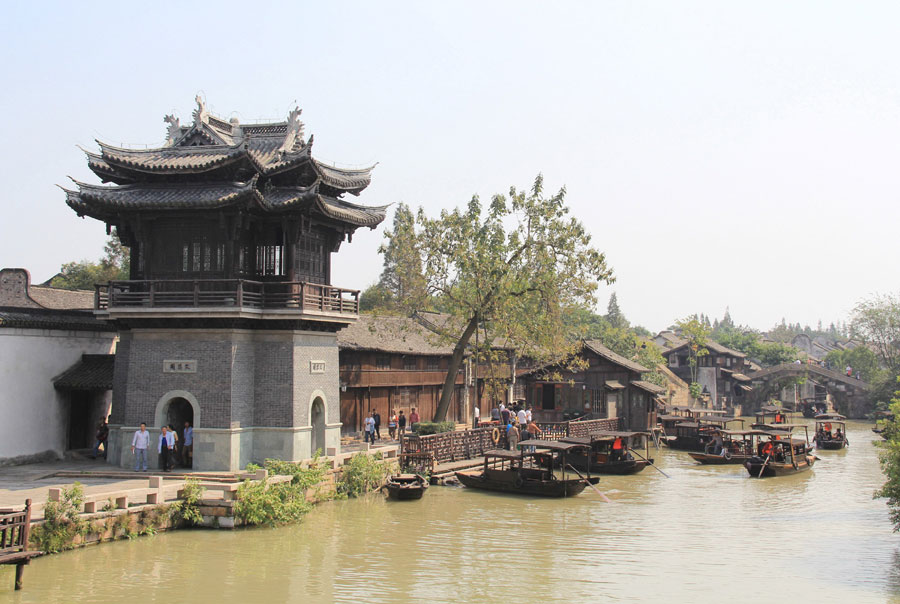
(102, 437)
(377, 417)
(370, 428)
(187, 450)
(392, 425)
(165, 448)
(401, 424)
(140, 442)
(413, 418)
(512, 435)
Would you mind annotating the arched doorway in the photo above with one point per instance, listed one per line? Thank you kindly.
(317, 421)
(177, 411)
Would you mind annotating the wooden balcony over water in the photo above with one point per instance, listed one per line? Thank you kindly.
(226, 298)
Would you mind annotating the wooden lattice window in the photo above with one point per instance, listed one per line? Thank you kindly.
(311, 258)
(382, 363)
(410, 363)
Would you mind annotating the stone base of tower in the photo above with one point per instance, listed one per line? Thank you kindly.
(251, 394)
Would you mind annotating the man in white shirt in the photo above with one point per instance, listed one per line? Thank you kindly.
(165, 448)
(522, 419)
(140, 442)
(476, 417)
(528, 415)
(370, 428)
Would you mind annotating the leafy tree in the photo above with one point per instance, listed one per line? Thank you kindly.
(375, 297)
(890, 461)
(402, 282)
(613, 314)
(509, 269)
(877, 322)
(860, 359)
(696, 332)
(114, 266)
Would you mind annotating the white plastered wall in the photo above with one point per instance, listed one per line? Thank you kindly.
(35, 415)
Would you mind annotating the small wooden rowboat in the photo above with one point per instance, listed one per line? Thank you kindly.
(404, 487)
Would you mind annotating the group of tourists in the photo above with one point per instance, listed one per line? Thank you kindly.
(518, 422)
(170, 447)
(397, 423)
(825, 433)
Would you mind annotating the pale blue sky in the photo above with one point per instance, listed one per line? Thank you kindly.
(721, 153)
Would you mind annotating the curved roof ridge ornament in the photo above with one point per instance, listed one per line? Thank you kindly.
(200, 114)
(173, 130)
(294, 132)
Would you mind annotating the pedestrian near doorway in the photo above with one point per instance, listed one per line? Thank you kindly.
(140, 442)
(392, 425)
(370, 428)
(413, 418)
(166, 448)
(102, 436)
(401, 424)
(187, 450)
(377, 417)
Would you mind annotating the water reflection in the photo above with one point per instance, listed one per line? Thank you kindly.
(706, 534)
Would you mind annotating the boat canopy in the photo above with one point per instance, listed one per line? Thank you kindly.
(830, 417)
(553, 445)
(503, 454)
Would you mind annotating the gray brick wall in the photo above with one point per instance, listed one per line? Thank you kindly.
(254, 378)
(273, 382)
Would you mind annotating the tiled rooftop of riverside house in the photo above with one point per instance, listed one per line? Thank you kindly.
(391, 334)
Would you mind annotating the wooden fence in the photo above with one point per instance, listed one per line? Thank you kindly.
(468, 444)
(15, 526)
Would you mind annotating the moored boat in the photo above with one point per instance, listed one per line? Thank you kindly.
(519, 473)
(405, 487)
(608, 452)
(696, 435)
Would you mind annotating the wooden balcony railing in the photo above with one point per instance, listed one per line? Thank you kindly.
(220, 293)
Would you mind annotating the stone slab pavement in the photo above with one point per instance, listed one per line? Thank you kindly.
(33, 481)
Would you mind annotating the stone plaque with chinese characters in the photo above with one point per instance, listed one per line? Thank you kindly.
(179, 366)
(317, 366)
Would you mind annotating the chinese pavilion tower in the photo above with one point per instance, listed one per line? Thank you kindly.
(229, 317)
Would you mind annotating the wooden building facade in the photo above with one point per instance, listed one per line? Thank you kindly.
(608, 386)
(393, 363)
(721, 372)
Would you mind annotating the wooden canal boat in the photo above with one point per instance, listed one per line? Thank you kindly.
(831, 432)
(603, 456)
(518, 472)
(737, 446)
(405, 487)
(772, 415)
(696, 435)
(781, 457)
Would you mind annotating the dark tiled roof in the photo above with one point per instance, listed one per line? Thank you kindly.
(390, 334)
(169, 159)
(601, 350)
(92, 372)
(648, 387)
(92, 198)
(713, 346)
(348, 212)
(41, 318)
(62, 299)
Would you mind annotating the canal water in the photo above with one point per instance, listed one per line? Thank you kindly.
(707, 534)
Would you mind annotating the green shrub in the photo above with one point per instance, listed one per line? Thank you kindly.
(362, 474)
(187, 511)
(261, 503)
(423, 428)
(305, 476)
(62, 522)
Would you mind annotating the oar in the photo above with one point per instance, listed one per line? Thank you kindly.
(588, 482)
(650, 463)
(763, 468)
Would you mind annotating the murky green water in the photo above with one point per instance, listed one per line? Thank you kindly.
(708, 534)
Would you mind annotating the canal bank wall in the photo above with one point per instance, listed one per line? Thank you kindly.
(74, 520)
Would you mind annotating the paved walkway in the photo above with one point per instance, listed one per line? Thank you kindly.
(33, 481)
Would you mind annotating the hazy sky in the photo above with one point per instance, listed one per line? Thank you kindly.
(721, 154)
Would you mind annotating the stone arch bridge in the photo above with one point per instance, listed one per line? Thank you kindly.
(851, 396)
